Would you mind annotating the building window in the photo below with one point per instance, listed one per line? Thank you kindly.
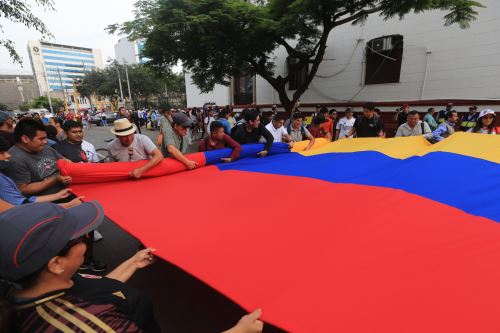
(384, 56)
(297, 73)
(243, 89)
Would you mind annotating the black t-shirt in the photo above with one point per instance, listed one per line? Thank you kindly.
(368, 128)
(243, 137)
(9, 136)
(71, 151)
(402, 118)
(97, 302)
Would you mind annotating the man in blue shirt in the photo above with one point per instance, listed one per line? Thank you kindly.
(447, 128)
(223, 116)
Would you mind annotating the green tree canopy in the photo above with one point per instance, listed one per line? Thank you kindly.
(43, 102)
(19, 11)
(144, 83)
(218, 39)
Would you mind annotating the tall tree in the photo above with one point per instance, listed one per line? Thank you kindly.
(43, 102)
(19, 11)
(143, 82)
(218, 39)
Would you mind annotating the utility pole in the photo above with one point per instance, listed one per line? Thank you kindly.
(48, 88)
(75, 96)
(64, 91)
(90, 97)
(128, 82)
(120, 83)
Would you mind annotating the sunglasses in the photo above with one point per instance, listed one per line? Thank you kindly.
(488, 117)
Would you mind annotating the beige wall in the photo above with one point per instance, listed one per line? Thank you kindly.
(9, 91)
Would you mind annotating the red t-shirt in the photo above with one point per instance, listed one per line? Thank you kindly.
(317, 132)
(226, 142)
(327, 126)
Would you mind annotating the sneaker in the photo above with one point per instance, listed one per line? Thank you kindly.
(94, 266)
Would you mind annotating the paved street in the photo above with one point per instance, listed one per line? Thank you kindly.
(98, 134)
(183, 304)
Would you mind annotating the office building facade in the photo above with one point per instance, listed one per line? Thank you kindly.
(56, 66)
(127, 52)
(417, 60)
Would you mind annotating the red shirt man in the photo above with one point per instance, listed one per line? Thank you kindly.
(219, 140)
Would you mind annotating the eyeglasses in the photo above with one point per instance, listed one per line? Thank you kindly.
(488, 117)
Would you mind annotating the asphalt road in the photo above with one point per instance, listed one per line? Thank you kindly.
(182, 303)
(98, 134)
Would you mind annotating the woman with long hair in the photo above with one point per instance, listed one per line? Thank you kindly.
(485, 123)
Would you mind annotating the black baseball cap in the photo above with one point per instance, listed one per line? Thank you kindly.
(32, 234)
(180, 118)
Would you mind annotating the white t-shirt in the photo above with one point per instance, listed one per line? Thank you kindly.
(208, 121)
(89, 150)
(483, 131)
(278, 133)
(141, 149)
(345, 126)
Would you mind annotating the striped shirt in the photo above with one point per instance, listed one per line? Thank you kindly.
(93, 304)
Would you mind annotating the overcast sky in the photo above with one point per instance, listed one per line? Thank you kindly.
(78, 23)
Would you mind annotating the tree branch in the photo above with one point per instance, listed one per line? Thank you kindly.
(357, 15)
(290, 50)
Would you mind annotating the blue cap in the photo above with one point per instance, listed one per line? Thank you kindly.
(32, 234)
(4, 116)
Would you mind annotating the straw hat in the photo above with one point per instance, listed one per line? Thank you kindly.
(123, 127)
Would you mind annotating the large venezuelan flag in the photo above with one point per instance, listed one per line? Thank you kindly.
(364, 235)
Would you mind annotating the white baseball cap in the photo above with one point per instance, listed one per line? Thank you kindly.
(485, 112)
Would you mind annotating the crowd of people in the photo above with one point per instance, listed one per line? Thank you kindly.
(46, 254)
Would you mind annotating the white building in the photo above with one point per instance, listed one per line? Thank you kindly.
(56, 66)
(127, 52)
(416, 60)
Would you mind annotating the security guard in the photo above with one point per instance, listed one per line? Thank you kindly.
(469, 120)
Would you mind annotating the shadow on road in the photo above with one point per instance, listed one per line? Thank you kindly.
(183, 304)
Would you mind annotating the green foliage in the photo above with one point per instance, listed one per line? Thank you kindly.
(218, 39)
(144, 83)
(26, 106)
(43, 102)
(19, 11)
(3, 107)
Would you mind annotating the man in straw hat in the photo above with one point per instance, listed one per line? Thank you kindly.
(129, 147)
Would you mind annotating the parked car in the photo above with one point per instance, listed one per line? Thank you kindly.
(95, 118)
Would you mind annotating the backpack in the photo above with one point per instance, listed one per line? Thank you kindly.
(302, 130)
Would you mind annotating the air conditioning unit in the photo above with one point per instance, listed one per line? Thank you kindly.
(382, 44)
